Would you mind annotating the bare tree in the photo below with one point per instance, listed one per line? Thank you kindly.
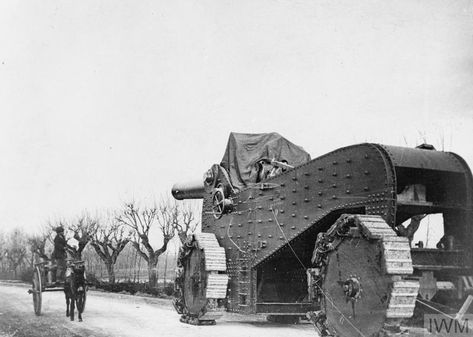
(141, 220)
(82, 230)
(16, 251)
(185, 221)
(3, 250)
(38, 242)
(109, 240)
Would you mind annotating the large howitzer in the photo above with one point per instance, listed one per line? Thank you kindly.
(326, 239)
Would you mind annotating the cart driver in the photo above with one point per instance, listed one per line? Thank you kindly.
(59, 253)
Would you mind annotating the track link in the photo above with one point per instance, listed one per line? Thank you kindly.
(216, 280)
(397, 261)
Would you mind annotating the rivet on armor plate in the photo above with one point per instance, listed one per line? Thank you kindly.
(239, 212)
(281, 224)
(259, 235)
(348, 160)
(250, 221)
(230, 225)
(294, 190)
(230, 236)
(306, 187)
(307, 173)
(366, 188)
(334, 174)
(249, 233)
(294, 178)
(320, 193)
(366, 156)
(281, 211)
(283, 184)
(281, 238)
(348, 176)
(260, 221)
(239, 236)
(270, 220)
(366, 172)
(293, 202)
(239, 225)
(270, 236)
(334, 185)
(293, 227)
(293, 215)
(282, 197)
(306, 217)
(306, 200)
(319, 206)
(260, 207)
(348, 191)
(334, 197)
(335, 162)
(320, 168)
(320, 180)
(251, 197)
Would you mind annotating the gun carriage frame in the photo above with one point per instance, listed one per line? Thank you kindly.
(268, 229)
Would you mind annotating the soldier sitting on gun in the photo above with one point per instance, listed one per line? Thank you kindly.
(263, 168)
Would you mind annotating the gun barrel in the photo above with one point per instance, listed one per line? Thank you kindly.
(191, 190)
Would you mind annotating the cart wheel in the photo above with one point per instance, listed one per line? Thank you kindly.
(36, 291)
(81, 300)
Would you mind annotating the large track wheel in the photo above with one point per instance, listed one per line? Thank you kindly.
(202, 283)
(364, 288)
(36, 291)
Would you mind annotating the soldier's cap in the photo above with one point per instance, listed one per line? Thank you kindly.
(59, 229)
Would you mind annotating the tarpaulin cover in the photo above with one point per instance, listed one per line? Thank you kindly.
(245, 150)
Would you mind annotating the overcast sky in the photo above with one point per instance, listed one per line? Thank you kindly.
(104, 101)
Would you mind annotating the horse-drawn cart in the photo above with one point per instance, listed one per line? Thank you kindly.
(43, 282)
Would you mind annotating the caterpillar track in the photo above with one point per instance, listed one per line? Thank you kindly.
(202, 281)
(365, 286)
(267, 203)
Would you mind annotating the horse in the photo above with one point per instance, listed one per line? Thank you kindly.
(74, 289)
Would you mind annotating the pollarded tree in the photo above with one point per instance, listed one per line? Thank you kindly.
(82, 230)
(141, 220)
(108, 241)
(38, 242)
(185, 221)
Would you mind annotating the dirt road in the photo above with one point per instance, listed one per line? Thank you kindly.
(118, 315)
